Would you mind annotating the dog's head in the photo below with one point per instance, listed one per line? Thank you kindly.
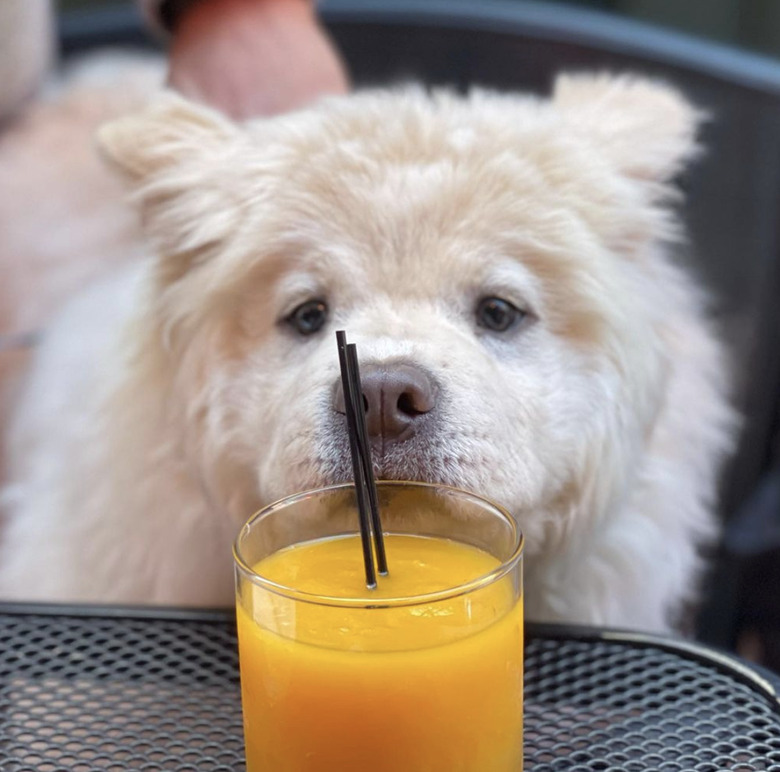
(494, 258)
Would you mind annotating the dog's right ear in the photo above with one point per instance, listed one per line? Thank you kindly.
(169, 133)
(183, 164)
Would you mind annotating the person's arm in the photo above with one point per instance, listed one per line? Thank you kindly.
(249, 57)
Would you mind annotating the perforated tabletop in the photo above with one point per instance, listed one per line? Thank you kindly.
(88, 689)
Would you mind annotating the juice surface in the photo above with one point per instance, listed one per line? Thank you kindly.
(427, 687)
(334, 567)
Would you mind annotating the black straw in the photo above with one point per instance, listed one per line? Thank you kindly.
(365, 485)
(368, 467)
(357, 467)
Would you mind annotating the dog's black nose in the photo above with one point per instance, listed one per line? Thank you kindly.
(394, 397)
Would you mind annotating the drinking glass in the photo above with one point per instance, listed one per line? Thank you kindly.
(424, 673)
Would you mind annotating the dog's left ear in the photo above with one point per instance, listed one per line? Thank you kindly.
(645, 128)
(183, 162)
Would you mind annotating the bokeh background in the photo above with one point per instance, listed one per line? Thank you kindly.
(749, 24)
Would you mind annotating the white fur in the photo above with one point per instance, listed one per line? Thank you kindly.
(163, 411)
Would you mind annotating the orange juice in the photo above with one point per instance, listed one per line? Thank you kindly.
(408, 684)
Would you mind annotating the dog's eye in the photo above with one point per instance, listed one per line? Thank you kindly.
(309, 317)
(497, 315)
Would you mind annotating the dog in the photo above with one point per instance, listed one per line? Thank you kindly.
(63, 220)
(505, 265)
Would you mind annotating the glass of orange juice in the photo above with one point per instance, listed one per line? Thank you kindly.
(423, 673)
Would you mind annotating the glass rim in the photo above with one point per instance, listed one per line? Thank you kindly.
(464, 588)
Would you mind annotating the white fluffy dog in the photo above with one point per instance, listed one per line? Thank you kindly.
(502, 263)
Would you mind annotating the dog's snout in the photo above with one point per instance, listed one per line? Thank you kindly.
(394, 398)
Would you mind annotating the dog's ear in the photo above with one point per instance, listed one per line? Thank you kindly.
(644, 127)
(169, 133)
(183, 163)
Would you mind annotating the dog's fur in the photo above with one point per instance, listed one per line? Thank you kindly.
(63, 221)
(173, 399)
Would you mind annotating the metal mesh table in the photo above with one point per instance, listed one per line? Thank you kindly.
(87, 689)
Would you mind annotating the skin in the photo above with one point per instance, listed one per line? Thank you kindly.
(254, 57)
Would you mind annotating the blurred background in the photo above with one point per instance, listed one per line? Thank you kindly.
(723, 54)
(750, 24)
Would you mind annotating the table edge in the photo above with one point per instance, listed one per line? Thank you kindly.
(754, 676)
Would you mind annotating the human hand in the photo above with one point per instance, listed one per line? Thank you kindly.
(254, 57)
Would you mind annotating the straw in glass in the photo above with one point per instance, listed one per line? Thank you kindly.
(365, 457)
(360, 449)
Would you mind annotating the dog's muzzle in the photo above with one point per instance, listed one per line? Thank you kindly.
(396, 398)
